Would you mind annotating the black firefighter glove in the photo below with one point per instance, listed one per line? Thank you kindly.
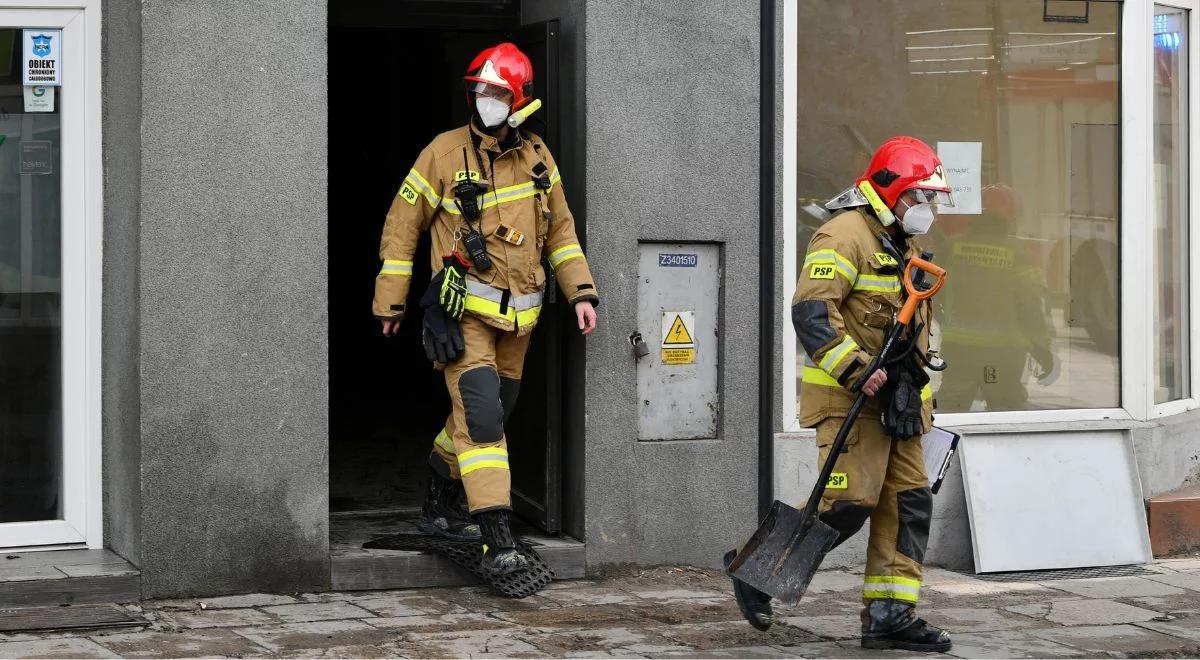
(900, 398)
(441, 333)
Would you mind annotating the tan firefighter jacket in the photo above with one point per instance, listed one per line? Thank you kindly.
(507, 296)
(848, 292)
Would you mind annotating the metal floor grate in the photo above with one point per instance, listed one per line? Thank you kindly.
(1064, 574)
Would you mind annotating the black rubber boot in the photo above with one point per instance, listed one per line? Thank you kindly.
(892, 624)
(754, 604)
(500, 554)
(443, 513)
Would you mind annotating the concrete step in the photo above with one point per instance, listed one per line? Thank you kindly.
(63, 577)
(1175, 522)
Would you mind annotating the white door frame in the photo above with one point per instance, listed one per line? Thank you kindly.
(82, 233)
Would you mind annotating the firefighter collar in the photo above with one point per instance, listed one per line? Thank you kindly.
(490, 143)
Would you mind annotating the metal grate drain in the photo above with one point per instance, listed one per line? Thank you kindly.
(29, 619)
(468, 554)
(1064, 574)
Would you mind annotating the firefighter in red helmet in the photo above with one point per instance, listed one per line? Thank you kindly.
(846, 299)
(491, 197)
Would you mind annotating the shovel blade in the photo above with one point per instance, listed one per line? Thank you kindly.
(781, 557)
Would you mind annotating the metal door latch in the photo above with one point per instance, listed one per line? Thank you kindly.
(640, 349)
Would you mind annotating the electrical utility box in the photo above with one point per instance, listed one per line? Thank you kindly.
(679, 317)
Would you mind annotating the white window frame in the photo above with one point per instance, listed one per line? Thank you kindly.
(1191, 402)
(1137, 186)
(81, 170)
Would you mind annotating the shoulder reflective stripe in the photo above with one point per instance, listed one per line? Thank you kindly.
(926, 392)
(443, 440)
(814, 376)
(396, 267)
(829, 256)
(835, 355)
(884, 283)
(555, 177)
(564, 254)
(417, 181)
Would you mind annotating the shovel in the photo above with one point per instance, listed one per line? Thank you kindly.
(782, 556)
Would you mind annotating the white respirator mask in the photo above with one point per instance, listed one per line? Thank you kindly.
(917, 219)
(491, 111)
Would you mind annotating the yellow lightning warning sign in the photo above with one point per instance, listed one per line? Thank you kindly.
(678, 342)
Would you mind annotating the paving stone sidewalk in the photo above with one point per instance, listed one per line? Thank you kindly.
(659, 612)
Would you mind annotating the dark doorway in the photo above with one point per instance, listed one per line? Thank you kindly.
(395, 72)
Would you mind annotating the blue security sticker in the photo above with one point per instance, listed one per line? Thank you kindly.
(678, 260)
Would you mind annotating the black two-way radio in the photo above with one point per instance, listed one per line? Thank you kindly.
(466, 198)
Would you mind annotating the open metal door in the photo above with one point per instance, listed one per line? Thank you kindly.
(534, 430)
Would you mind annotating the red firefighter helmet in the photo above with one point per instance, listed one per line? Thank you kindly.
(505, 66)
(905, 163)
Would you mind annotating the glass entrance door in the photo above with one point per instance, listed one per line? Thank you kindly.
(46, 479)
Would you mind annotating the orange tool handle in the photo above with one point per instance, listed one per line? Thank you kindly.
(915, 296)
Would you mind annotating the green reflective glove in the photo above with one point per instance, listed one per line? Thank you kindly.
(453, 294)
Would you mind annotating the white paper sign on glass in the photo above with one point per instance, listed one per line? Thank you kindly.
(963, 162)
(41, 57)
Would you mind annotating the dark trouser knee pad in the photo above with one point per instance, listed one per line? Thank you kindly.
(915, 509)
(479, 390)
(847, 518)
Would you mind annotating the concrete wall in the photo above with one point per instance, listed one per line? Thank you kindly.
(1168, 453)
(122, 112)
(672, 134)
(232, 263)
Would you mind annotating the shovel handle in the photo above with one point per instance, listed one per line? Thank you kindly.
(915, 295)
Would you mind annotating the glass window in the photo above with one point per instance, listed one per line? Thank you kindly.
(31, 459)
(1023, 106)
(1171, 178)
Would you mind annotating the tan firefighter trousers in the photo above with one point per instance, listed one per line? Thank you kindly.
(884, 480)
(483, 387)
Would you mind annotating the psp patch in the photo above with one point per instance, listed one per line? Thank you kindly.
(885, 259)
(463, 175)
(822, 271)
(837, 481)
(408, 194)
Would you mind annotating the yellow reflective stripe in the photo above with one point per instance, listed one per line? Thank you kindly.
(890, 594)
(396, 267)
(838, 353)
(814, 376)
(829, 256)
(885, 283)
(483, 451)
(528, 316)
(491, 308)
(554, 178)
(565, 253)
(891, 579)
(417, 181)
(891, 586)
(484, 457)
(496, 198)
(468, 469)
(443, 440)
